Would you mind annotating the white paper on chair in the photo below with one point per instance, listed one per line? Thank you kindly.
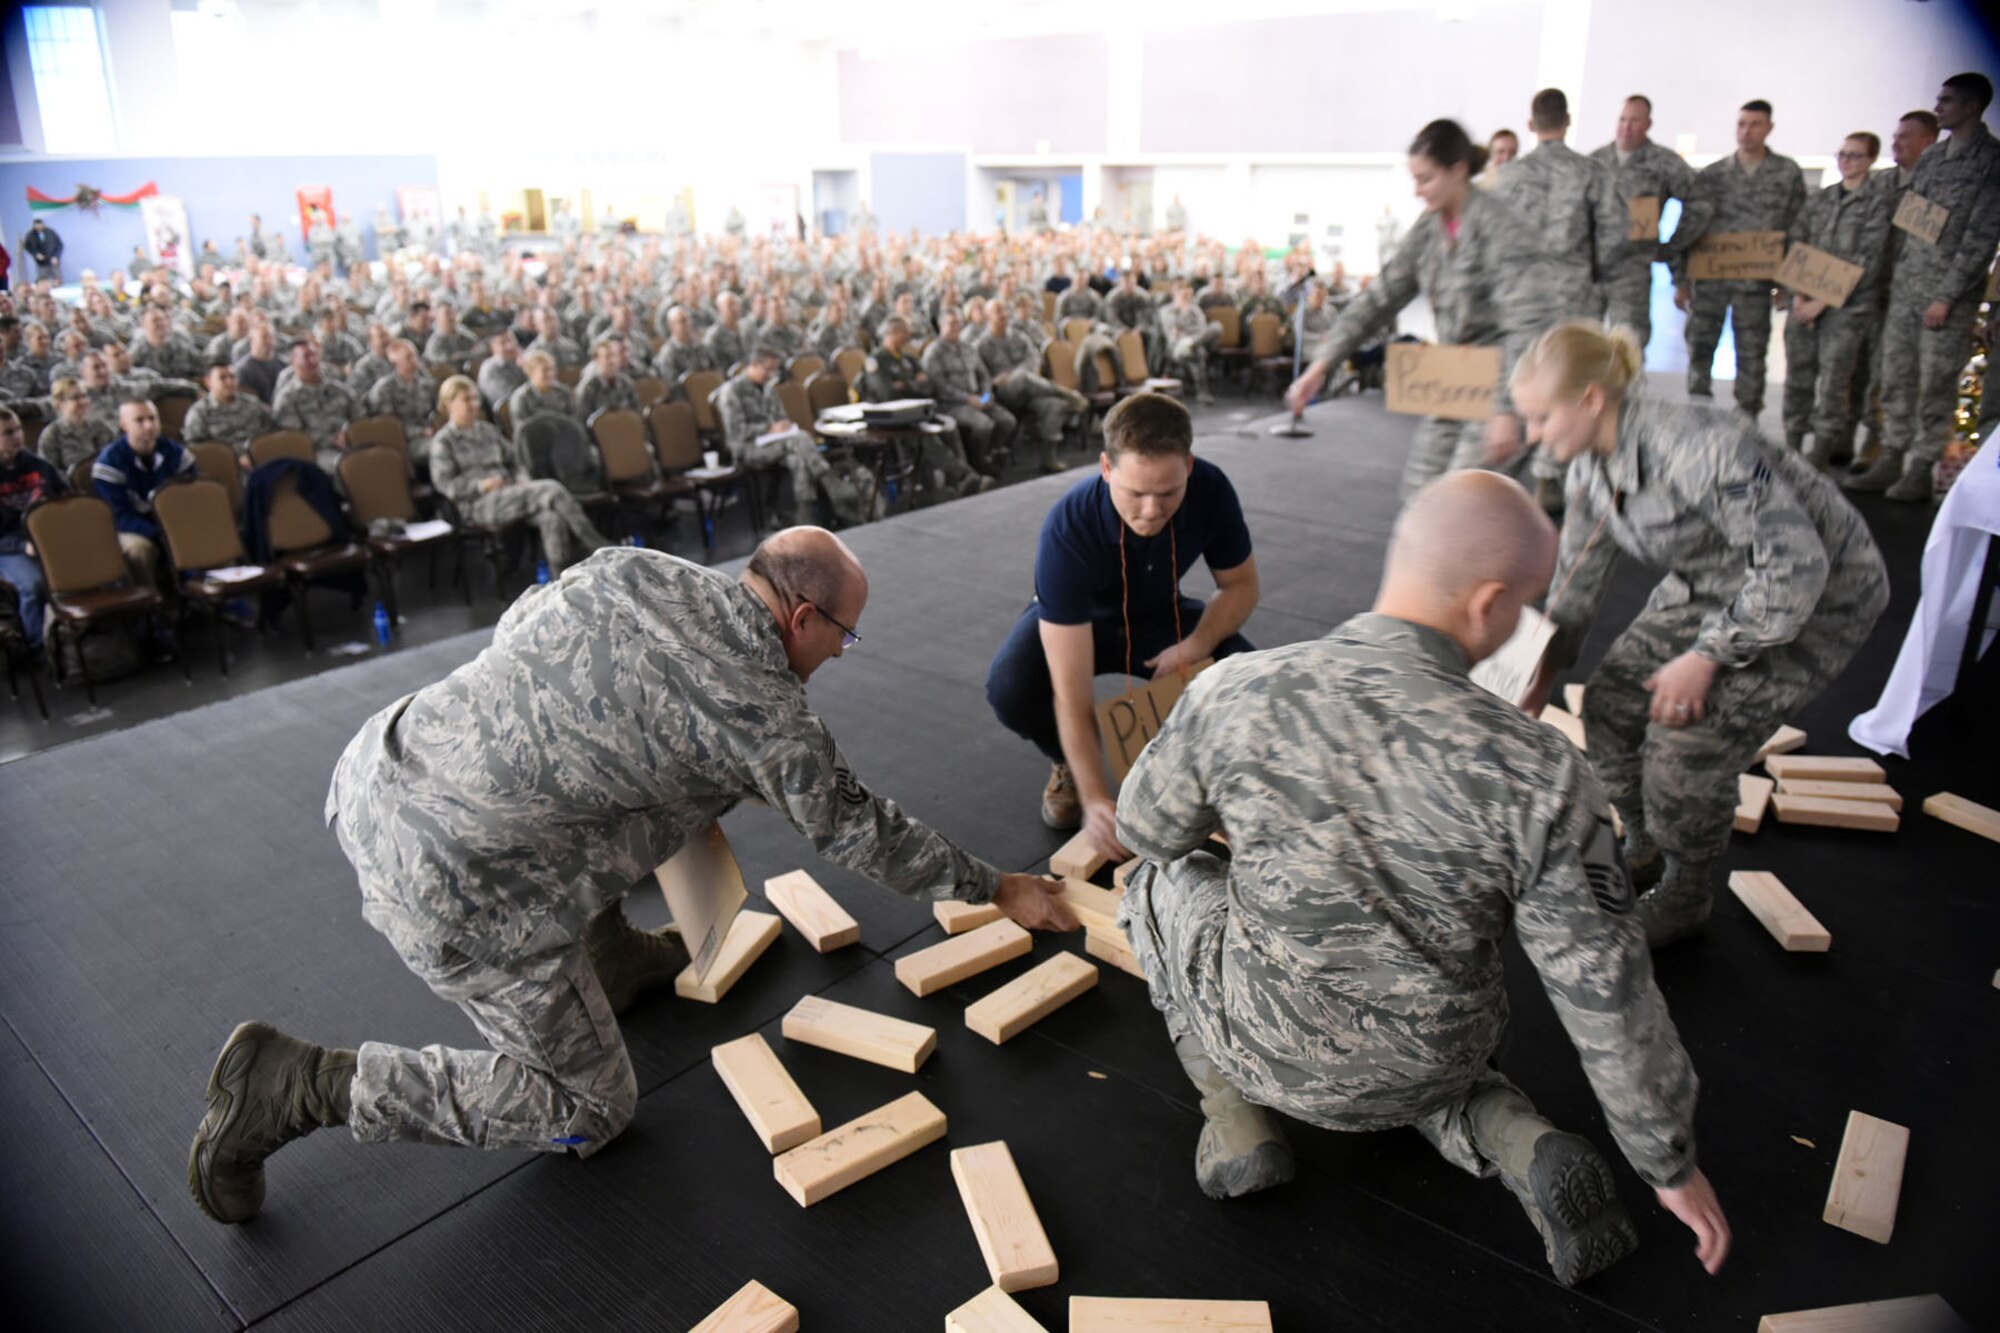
(707, 473)
(1511, 672)
(777, 433)
(233, 573)
(425, 530)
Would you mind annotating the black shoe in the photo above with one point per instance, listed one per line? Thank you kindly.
(1575, 1206)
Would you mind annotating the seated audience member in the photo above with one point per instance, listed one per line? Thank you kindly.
(320, 407)
(407, 394)
(128, 473)
(552, 342)
(373, 364)
(605, 384)
(258, 369)
(77, 434)
(228, 415)
(448, 342)
(891, 375)
(476, 468)
(500, 374)
(542, 393)
(160, 349)
(26, 479)
(749, 407)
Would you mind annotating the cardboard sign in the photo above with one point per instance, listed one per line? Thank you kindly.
(1815, 273)
(1511, 672)
(704, 889)
(1644, 212)
(1128, 722)
(1437, 380)
(1737, 256)
(1921, 218)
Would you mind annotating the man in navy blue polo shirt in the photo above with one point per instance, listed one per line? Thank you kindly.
(1112, 554)
(125, 476)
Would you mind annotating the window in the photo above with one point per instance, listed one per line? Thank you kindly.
(212, 45)
(66, 52)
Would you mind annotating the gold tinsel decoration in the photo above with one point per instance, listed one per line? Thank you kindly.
(1971, 389)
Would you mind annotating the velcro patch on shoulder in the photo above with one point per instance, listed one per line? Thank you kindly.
(1604, 867)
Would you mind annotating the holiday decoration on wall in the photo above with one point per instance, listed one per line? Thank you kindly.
(88, 198)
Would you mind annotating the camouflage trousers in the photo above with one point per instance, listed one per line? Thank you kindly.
(557, 1076)
(1920, 370)
(1677, 785)
(1032, 398)
(1628, 302)
(1444, 445)
(801, 460)
(945, 453)
(1748, 306)
(567, 534)
(1190, 352)
(986, 431)
(1823, 360)
(1176, 918)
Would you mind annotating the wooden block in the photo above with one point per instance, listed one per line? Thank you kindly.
(1004, 1222)
(1910, 1314)
(1569, 724)
(957, 918)
(1573, 699)
(749, 935)
(812, 911)
(1107, 1314)
(1783, 741)
(1823, 768)
(1118, 875)
(755, 1308)
(861, 1033)
(930, 970)
(858, 1149)
(1092, 905)
(991, 1311)
(1824, 813)
(1868, 1177)
(1790, 924)
(765, 1093)
(1968, 815)
(1077, 859)
(1753, 798)
(1116, 955)
(1030, 997)
(1881, 793)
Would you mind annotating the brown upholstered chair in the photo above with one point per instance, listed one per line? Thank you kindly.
(852, 363)
(699, 386)
(88, 581)
(569, 375)
(215, 461)
(310, 552)
(650, 388)
(1230, 350)
(282, 444)
(377, 483)
(827, 389)
(1267, 346)
(79, 476)
(173, 409)
(200, 528)
(629, 469)
(677, 444)
(804, 366)
(1075, 329)
(798, 404)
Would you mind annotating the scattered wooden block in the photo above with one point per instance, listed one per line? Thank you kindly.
(1004, 1221)
(1823, 768)
(1880, 793)
(1753, 798)
(991, 1311)
(1569, 724)
(1093, 906)
(765, 1093)
(812, 911)
(1573, 699)
(1030, 997)
(860, 1033)
(1868, 1177)
(755, 1308)
(1783, 741)
(957, 918)
(1113, 953)
(824, 1166)
(1107, 1314)
(930, 970)
(1910, 1314)
(749, 935)
(1118, 876)
(1077, 859)
(1790, 924)
(1968, 815)
(1825, 813)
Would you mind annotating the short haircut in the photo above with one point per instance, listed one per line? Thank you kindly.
(1497, 136)
(453, 389)
(894, 323)
(1873, 142)
(766, 352)
(798, 577)
(1549, 110)
(1150, 424)
(537, 357)
(214, 366)
(1975, 86)
(1757, 104)
(415, 306)
(1927, 119)
(1642, 100)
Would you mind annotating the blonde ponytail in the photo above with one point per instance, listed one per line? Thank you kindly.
(1579, 354)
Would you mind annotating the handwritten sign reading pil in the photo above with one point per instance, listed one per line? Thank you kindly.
(1644, 214)
(1817, 274)
(1921, 218)
(1131, 720)
(1737, 256)
(1434, 380)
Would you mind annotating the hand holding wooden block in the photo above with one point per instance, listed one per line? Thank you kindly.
(957, 918)
(1077, 859)
(1790, 924)
(991, 1311)
(755, 1308)
(812, 911)
(860, 1033)
(1868, 1177)
(824, 1166)
(1004, 1222)
(1093, 906)
(1106, 1314)
(749, 935)
(765, 1093)
(930, 970)
(1030, 997)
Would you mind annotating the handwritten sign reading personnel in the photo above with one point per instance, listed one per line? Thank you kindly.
(1435, 380)
(1644, 212)
(1737, 256)
(1921, 218)
(1128, 722)
(1817, 274)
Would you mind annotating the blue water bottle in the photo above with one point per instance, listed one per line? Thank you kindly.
(383, 629)
(636, 541)
(541, 571)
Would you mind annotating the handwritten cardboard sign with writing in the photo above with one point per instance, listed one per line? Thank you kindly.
(1644, 211)
(704, 891)
(1436, 380)
(1817, 274)
(1921, 218)
(1511, 672)
(1128, 722)
(1737, 256)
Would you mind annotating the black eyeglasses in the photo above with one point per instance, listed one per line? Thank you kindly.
(848, 638)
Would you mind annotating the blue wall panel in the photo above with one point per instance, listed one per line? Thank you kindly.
(921, 190)
(220, 192)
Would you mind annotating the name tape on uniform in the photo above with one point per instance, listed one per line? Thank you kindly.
(1921, 218)
(1644, 212)
(1131, 720)
(1737, 256)
(1436, 380)
(1815, 273)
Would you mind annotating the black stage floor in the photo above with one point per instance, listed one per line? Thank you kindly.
(163, 882)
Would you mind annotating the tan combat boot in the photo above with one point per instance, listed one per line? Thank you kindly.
(630, 961)
(266, 1090)
(1914, 486)
(1242, 1150)
(1561, 1181)
(1061, 810)
(1884, 472)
